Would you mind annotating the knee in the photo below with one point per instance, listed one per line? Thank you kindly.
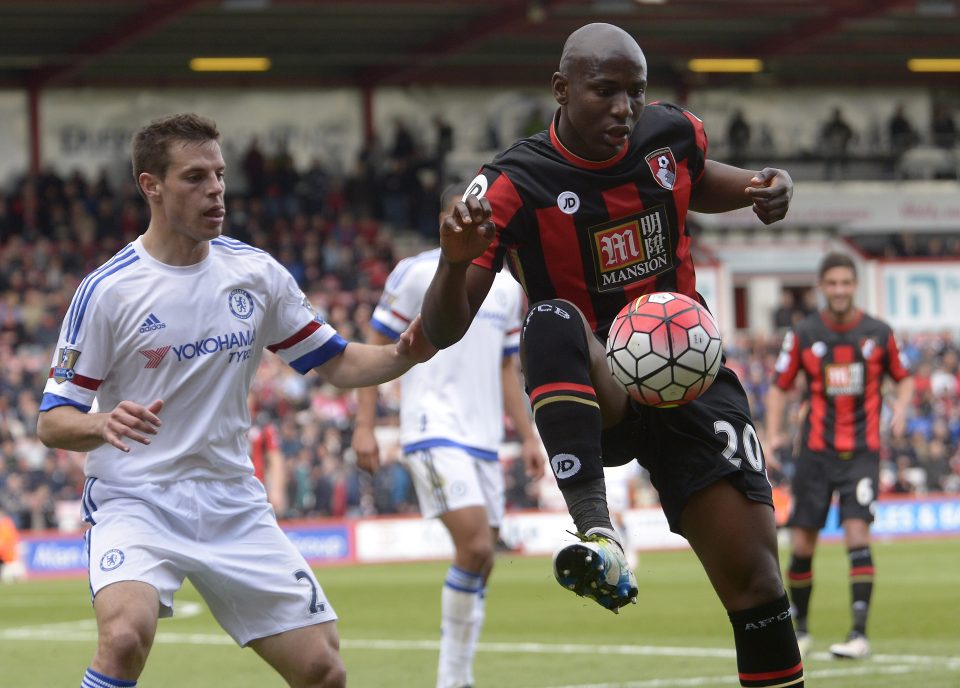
(477, 555)
(323, 672)
(553, 327)
(122, 649)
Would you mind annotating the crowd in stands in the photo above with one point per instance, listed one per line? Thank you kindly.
(339, 238)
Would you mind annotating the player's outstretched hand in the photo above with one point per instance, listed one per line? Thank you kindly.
(414, 345)
(467, 231)
(131, 420)
(771, 190)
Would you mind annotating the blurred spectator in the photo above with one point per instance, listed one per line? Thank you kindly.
(901, 132)
(835, 139)
(738, 138)
(943, 130)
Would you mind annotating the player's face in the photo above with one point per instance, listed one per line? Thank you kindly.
(601, 98)
(838, 286)
(191, 193)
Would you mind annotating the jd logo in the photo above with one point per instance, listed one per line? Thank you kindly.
(565, 465)
(568, 202)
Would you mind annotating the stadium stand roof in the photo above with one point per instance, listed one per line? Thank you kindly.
(368, 43)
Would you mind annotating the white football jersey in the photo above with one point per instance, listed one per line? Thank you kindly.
(192, 336)
(455, 398)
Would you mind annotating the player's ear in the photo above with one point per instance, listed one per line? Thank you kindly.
(149, 184)
(560, 84)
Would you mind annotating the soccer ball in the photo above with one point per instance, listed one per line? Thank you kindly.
(663, 349)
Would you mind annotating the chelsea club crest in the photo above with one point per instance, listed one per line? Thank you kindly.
(241, 303)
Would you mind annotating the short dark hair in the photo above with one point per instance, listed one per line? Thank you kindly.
(150, 151)
(455, 190)
(836, 259)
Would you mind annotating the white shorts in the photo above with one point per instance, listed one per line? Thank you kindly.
(221, 534)
(448, 478)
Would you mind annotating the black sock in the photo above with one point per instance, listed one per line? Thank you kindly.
(767, 653)
(556, 360)
(800, 584)
(861, 586)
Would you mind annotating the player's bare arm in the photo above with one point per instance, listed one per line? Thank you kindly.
(66, 427)
(901, 407)
(457, 290)
(364, 441)
(724, 187)
(362, 365)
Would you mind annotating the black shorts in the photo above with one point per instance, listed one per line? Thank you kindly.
(688, 448)
(819, 474)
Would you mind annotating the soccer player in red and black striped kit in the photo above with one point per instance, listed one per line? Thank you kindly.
(589, 215)
(844, 354)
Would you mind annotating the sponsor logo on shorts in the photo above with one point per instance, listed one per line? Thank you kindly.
(565, 465)
(458, 488)
(66, 360)
(241, 303)
(111, 560)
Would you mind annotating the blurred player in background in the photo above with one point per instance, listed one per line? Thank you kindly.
(589, 215)
(11, 566)
(170, 491)
(451, 427)
(269, 466)
(844, 354)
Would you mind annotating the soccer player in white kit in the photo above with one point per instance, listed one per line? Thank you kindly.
(451, 427)
(165, 338)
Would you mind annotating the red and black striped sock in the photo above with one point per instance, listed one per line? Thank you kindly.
(767, 653)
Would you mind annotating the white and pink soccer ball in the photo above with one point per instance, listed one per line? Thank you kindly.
(664, 349)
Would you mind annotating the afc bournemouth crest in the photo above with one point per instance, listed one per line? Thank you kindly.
(66, 360)
(663, 167)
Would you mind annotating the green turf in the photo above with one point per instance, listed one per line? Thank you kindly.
(537, 635)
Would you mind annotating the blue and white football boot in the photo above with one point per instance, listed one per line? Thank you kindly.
(596, 568)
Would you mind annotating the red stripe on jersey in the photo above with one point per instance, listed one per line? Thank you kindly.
(894, 364)
(686, 277)
(785, 379)
(767, 675)
(818, 404)
(701, 137)
(311, 327)
(83, 381)
(873, 397)
(561, 387)
(844, 407)
(561, 254)
(505, 202)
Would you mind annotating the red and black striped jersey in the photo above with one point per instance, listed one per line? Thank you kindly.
(598, 234)
(844, 367)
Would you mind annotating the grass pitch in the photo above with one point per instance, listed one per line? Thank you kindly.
(536, 635)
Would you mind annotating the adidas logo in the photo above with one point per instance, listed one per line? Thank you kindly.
(150, 324)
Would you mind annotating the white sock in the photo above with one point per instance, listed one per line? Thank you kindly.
(458, 602)
(479, 613)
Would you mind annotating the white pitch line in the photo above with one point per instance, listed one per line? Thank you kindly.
(85, 631)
